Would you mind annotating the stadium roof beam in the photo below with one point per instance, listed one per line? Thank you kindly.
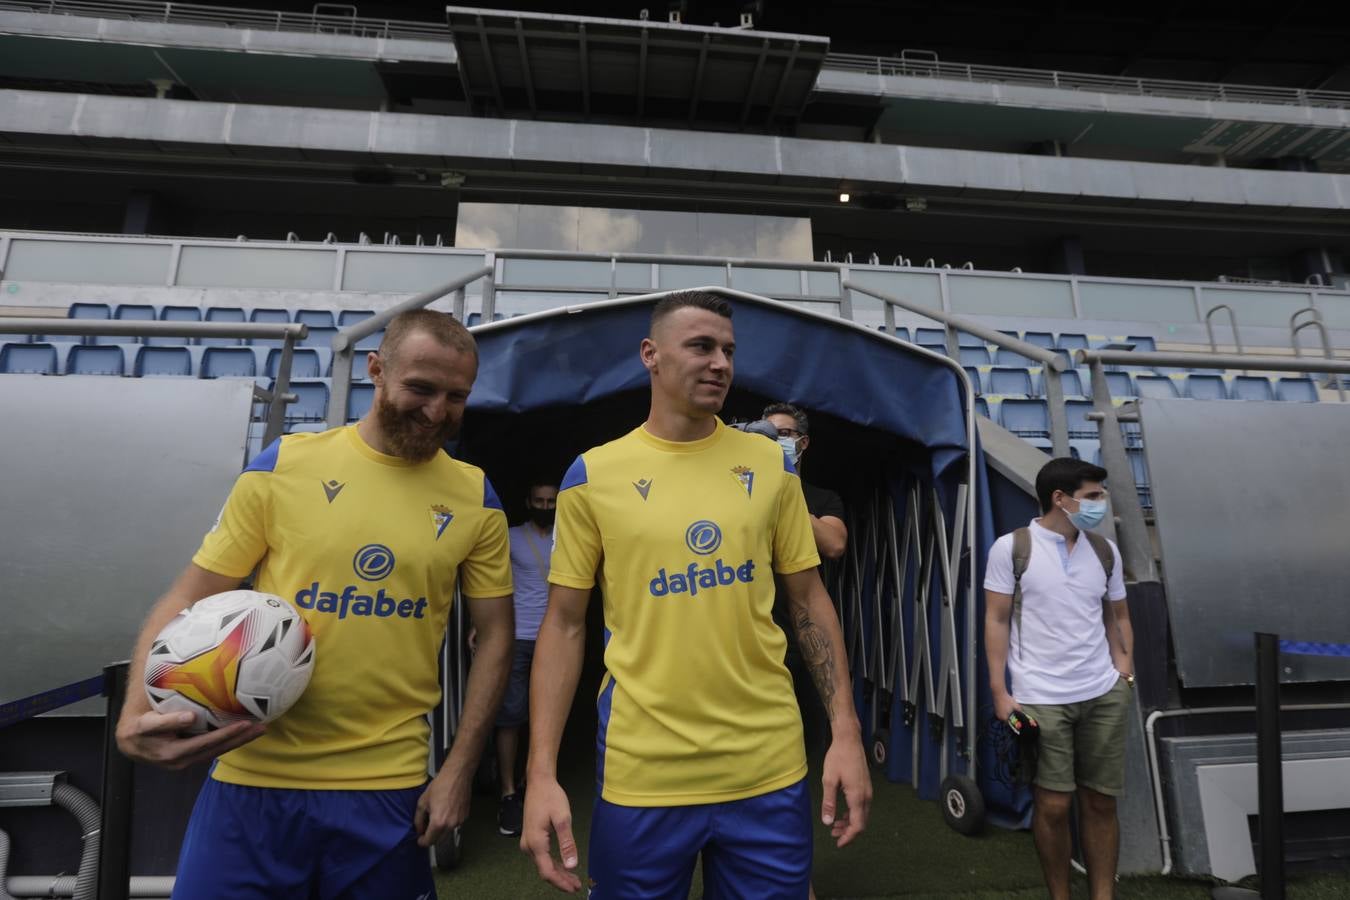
(581, 66)
(525, 69)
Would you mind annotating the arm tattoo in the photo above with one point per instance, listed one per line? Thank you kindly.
(818, 656)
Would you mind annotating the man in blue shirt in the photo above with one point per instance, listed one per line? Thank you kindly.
(531, 549)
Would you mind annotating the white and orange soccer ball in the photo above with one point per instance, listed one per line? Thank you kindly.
(240, 655)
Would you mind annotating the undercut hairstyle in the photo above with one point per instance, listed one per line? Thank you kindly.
(695, 299)
(787, 409)
(442, 327)
(1064, 474)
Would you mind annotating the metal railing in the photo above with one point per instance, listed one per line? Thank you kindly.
(276, 398)
(344, 342)
(1314, 321)
(1053, 363)
(231, 17)
(1082, 81)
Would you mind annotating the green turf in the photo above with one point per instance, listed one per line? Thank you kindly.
(907, 851)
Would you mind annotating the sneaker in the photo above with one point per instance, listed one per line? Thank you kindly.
(509, 815)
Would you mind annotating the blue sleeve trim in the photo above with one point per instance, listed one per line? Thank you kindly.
(788, 467)
(490, 500)
(576, 474)
(265, 461)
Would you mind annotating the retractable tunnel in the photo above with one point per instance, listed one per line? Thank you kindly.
(891, 431)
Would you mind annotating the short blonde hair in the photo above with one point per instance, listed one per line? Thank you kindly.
(443, 327)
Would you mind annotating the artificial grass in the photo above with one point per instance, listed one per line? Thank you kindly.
(907, 852)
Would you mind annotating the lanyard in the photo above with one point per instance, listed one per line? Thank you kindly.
(538, 556)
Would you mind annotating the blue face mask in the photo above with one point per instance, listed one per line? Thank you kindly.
(1090, 514)
(789, 446)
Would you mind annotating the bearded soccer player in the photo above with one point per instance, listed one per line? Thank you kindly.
(699, 751)
(366, 529)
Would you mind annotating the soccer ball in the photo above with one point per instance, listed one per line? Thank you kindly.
(236, 656)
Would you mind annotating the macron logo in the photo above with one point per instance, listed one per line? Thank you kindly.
(643, 487)
(332, 489)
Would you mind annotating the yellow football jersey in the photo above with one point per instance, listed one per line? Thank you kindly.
(696, 705)
(368, 547)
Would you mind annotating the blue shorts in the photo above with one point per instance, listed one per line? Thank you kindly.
(515, 708)
(249, 843)
(758, 848)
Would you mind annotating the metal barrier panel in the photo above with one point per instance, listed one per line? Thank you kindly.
(106, 485)
(1252, 508)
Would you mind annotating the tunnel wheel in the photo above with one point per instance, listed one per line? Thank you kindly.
(447, 850)
(881, 747)
(962, 804)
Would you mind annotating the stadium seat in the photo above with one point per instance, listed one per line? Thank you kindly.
(901, 332)
(1157, 387)
(370, 342)
(81, 310)
(1080, 426)
(9, 337)
(1142, 344)
(1252, 387)
(977, 381)
(352, 316)
(312, 402)
(1085, 448)
(1070, 341)
(1025, 418)
(1206, 387)
(28, 359)
(1121, 384)
(969, 340)
(930, 336)
(269, 316)
(974, 356)
(176, 314)
(154, 362)
(473, 318)
(229, 362)
(1300, 390)
(1043, 339)
(1006, 357)
(315, 318)
(319, 337)
(293, 427)
(224, 314)
(86, 310)
(1141, 479)
(85, 359)
(1070, 380)
(306, 362)
(982, 407)
(1010, 382)
(359, 400)
(128, 312)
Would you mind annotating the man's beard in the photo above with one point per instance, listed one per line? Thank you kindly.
(405, 438)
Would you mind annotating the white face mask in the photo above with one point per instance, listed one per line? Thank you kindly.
(789, 446)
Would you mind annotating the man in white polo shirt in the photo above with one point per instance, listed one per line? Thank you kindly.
(1071, 659)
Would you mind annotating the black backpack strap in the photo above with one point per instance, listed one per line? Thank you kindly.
(1021, 555)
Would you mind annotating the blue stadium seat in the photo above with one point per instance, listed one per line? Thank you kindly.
(1252, 387)
(85, 359)
(1025, 418)
(1080, 426)
(81, 310)
(1206, 387)
(1121, 384)
(1014, 382)
(269, 316)
(319, 337)
(224, 314)
(312, 405)
(1071, 381)
(474, 318)
(1008, 357)
(370, 342)
(154, 362)
(294, 427)
(1301, 390)
(1043, 339)
(969, 340)
(900, 332)
(229, 362)
(1085, 448)
(359, 400)
(28, 359)
(352, 316)
(976, 382)
(982, 407)
(1157, 387)
(1070, 341)
(1141, 479)
(87, 310)
(1142, 343)
(176, 314)
(306, 362)
(974, 356)
(10, 337)
(128, 312)
(315, 318)
(939, 349)
(930, 336)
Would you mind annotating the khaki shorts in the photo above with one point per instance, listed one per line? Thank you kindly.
(1083, 744)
